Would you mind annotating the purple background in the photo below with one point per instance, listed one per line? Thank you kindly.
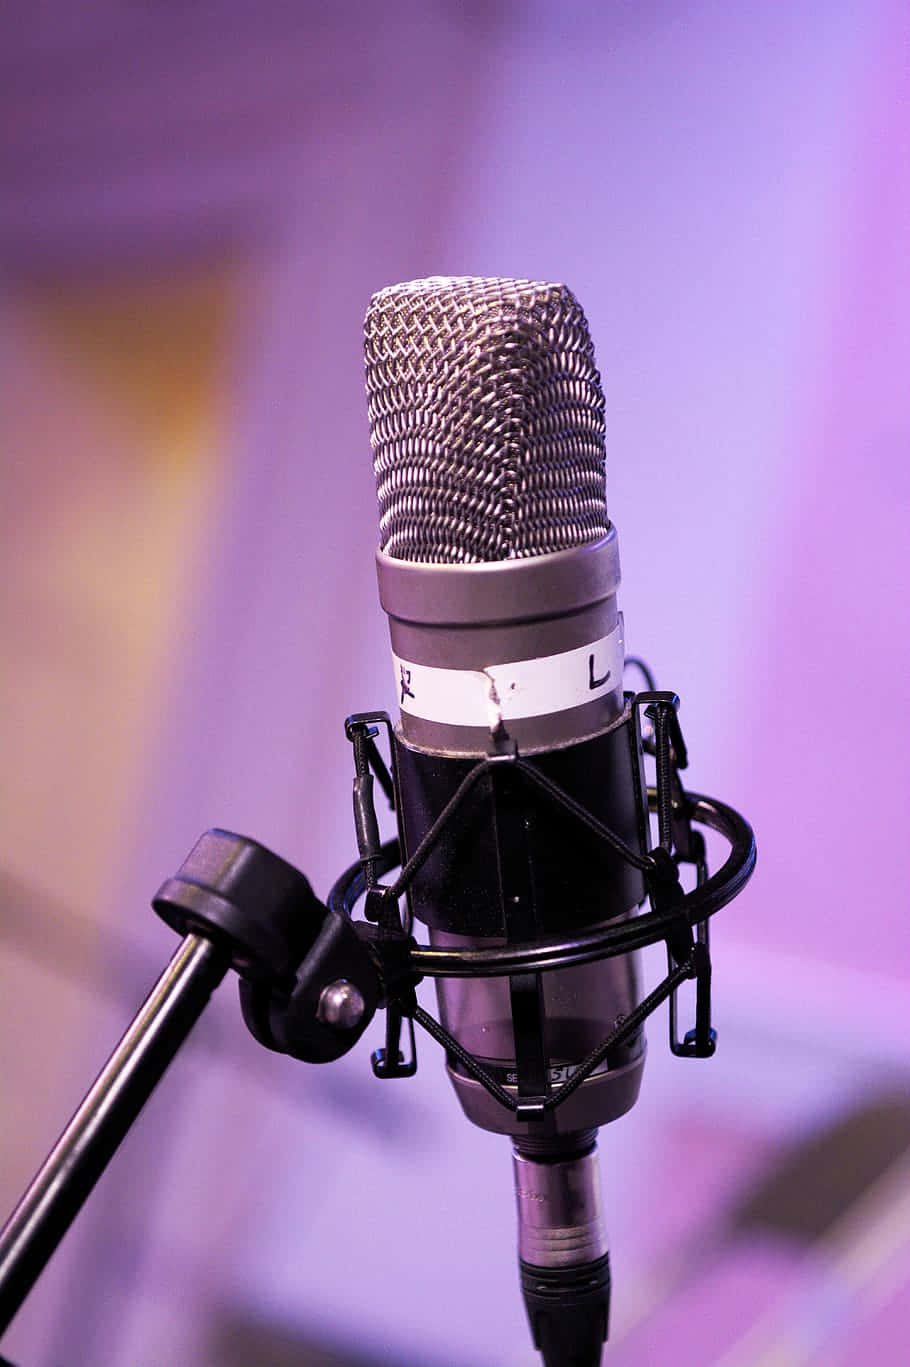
(727, 190)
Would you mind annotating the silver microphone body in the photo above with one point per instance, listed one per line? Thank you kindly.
(498, 568)
(498, 626)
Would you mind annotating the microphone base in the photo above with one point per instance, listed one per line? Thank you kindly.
(568, 1311)
(601, 1098)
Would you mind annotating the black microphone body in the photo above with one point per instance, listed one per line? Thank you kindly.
(498, 570)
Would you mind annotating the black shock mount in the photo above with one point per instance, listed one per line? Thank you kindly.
(677, 917)
(376, 962)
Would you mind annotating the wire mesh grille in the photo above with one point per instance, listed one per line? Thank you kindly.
(486, 420)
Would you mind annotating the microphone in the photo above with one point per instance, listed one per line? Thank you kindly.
(498, 569)
(523, 814)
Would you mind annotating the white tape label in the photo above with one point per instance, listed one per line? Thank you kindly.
(523, 688)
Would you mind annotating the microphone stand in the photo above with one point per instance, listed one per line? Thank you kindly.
(236, 905)
(312, 978)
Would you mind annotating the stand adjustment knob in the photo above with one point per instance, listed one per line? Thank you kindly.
(341, 1005)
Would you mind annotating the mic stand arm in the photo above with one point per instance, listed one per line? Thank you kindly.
(310, 986)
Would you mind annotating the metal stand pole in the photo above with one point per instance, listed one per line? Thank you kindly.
(90, 1140)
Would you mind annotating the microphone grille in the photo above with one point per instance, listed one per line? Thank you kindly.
(486, 420)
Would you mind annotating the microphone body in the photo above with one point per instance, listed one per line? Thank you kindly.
(498, 569)
(475, 648)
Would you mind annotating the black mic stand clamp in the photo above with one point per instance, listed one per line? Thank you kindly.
(310, 984)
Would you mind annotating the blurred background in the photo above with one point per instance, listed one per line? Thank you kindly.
(196, 202)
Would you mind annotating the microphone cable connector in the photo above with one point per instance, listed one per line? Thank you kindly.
(562, 1247)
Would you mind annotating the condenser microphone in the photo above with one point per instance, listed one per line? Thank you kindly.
(498, 569)
(523, 815)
